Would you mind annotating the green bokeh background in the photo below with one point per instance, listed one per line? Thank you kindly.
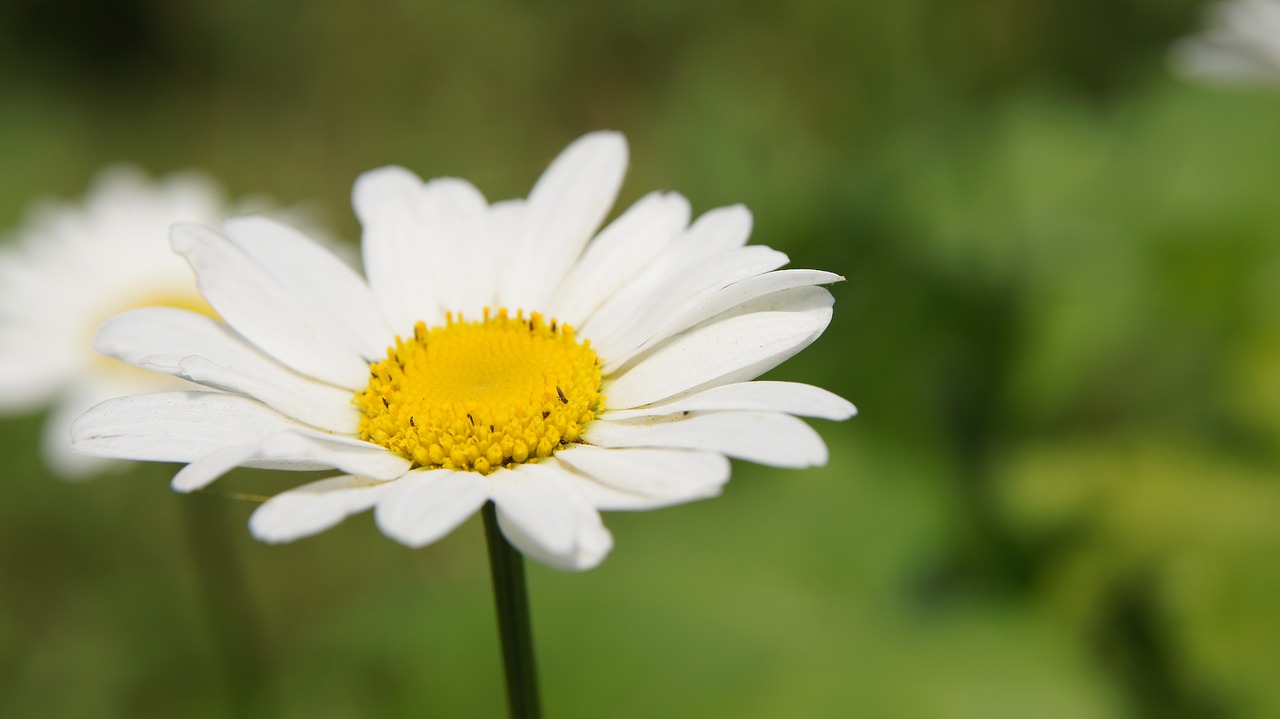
(1061, 325)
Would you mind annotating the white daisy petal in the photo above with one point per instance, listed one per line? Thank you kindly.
(174, 426)
(427, 504)
(694, 283)
(621, 251)
(537, 509)
(541, 515)
(314, 507)
(315, 403)
(502, 225)
(771, 438)
(317, 277)
(602, 496)
(811, 302)
(814, 302)
(735, 295)
(669, 322)
(564, 209)
(395, 253)
(1241, 45)
(451, 213)
(659, 477)
(264, 311)
(731, 350)
(198, 348)
(294, 449)
(68, 265)
(55, 435)
(26, 383)
(790, 397)
(718, 231)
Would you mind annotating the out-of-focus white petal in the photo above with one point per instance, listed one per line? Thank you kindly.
(1241, 45)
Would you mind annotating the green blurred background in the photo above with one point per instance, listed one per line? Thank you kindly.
(1061, 325)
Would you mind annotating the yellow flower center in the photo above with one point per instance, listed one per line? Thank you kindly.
(480, 395)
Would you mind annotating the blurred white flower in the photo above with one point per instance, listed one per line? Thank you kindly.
(431, 403)
(1240, 45)
(68, 267)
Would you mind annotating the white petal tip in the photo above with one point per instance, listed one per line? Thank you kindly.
(184, 487)
(184, 236)
(375, 187)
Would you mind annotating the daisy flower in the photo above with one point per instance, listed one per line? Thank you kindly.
(500, 352)
(1241, 44)
(68, 267)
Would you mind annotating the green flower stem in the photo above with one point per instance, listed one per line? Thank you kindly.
(511, 599)
(228, 606)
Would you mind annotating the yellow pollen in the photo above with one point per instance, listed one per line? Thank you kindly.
(478, 395)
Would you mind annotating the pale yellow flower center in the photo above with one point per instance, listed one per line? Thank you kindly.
(478, 395)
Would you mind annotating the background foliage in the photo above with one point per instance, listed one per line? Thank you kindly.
(1060, 323)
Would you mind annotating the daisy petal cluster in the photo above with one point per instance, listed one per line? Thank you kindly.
(68, 267)
(1241, 44)
(511, 352)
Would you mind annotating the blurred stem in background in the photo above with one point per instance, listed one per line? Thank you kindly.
(228, 607)
(511, 599)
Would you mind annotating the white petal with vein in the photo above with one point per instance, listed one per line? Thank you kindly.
(267, 314)
(174, 426)
(662, 476)
(731, 350)
(715, 232)
(564, 209)
(735, 295)
(314, 507)
(544, 518)
(427, 504)
(317, 277)
(621, 251)
(198, 348)
(769, 438)
(395, 252)
(790, 397)
(696, 282)
(295, 449)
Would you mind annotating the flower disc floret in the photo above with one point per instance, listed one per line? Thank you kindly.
(478, 395)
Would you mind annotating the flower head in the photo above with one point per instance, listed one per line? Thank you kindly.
(70, 266)
(1240, 45)
(496, 352)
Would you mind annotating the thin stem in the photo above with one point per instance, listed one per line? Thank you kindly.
(227, 604)
(511, 599)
